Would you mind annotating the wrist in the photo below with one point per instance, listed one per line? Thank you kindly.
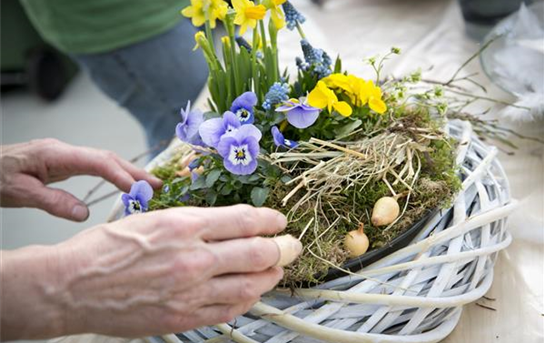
(30, 307)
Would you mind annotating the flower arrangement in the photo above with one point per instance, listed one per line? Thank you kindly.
(347, 159)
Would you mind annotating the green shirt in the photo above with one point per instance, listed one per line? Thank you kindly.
(95, 26)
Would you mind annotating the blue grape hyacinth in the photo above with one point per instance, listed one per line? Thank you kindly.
(278, 93)
(292, 16)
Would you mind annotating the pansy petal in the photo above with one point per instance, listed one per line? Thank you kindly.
(249, 130)
(377, 105)
(141, 188)
(126, 198)
(230, 120)
(343, 108)
(223, 147)
(211, 131)
(301, 118)
(247, 100)
(284, 108)
(277, 136)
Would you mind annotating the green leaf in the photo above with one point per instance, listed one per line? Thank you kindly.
(212, 177)
(211, 197)
(285, 178)
(259, 195)
(348, 128)
(199, 183)
(226, 190)
(338, 65)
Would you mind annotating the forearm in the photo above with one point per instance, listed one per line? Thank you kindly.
(28, 310)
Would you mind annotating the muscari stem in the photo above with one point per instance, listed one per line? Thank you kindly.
(300, 31)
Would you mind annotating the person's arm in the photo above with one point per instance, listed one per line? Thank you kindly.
(27, 168)
(154, 273)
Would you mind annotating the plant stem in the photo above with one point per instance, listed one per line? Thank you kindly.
(230, 30)
(210, 36)
(300, 31)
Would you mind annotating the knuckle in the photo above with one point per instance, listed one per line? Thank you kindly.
(47, 141)
(258, 254)
(110, 155)
(248, 290)
(247, 219)
(229, 313)
(205, 260)
(186, 226)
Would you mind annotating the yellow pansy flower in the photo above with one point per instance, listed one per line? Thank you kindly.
(360, 92)
(350, 84)
(374, 94)
(321, 96)
(200, 10)
(276, 13)
(247, 14)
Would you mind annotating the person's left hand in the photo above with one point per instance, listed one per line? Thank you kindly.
(28, 167)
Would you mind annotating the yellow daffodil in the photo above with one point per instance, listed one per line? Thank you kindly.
(321, 96)
(247, 14)
(276, 13)
(196, 12)
(201, 10)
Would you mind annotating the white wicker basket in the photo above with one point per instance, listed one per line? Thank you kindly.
(413, 295)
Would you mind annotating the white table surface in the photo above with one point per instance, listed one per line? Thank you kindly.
(431, 34)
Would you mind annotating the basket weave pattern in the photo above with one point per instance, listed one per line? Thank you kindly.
(413, 295)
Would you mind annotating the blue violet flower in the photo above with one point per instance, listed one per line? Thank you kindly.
(240, 150)
(279, 139)
(299, 114)
(212, 129)
(187, 128)
(243, 105)
(136, 201)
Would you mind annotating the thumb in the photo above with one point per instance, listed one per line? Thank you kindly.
(61, 204)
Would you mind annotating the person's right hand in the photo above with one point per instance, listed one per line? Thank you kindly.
(28, 168)
(154, 273)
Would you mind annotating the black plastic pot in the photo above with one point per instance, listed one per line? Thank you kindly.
(370, 257)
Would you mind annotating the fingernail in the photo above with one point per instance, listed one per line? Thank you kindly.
(282, 220)
(80, 213)
(281, 272)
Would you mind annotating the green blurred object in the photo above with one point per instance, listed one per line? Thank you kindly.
(26, 60)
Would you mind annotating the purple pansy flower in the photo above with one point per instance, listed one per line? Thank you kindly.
(187, 128)
(136, 201)
(240, 149)
(212, 129)
(299, 114)
(243, 105)
(279, 140)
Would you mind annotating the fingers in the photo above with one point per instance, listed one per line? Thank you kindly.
(239, 221)
(54, 201)
(216, 314)
(138, 173)
(245, 255)
(69, 160)
(241, 288)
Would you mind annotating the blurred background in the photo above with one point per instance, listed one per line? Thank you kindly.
(45, 95)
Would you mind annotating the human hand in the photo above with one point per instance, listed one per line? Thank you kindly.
(154, 273)
(28, 167)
